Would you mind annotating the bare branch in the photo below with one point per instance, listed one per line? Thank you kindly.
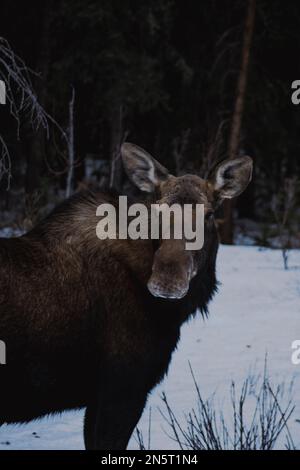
(71, 151)
(22, 100)
(207, 429)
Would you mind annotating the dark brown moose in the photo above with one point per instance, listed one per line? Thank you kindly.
(92, 323)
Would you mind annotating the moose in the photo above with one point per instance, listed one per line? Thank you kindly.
(92, 323)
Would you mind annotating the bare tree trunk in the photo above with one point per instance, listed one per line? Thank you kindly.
(118, 135)
(234, 139)
(71, 152)
(180, 145)
(37, 148)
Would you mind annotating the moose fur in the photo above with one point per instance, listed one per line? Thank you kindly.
(82, 329)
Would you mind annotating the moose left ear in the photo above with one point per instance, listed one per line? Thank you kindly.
(231, 177)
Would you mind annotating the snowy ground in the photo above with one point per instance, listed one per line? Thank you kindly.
(256, 311)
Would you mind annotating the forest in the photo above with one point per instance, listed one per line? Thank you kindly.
(88, 329)
(192, 82)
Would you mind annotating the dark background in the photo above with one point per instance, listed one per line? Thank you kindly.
(164, 75)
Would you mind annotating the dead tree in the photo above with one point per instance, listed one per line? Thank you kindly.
(284, 208)
(180, 145)
(234, 138)
(71, 151)
(22, 101)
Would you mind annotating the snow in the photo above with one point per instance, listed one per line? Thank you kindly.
(256, 311)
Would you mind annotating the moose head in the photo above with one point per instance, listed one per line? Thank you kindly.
(174, 266)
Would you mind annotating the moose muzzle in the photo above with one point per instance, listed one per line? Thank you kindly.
(172, 271)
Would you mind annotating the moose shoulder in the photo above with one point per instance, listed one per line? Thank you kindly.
(93, 323)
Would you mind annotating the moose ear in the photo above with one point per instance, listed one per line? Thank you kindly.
(231, 177)
(142, 169)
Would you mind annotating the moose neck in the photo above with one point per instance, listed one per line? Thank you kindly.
(72, 226)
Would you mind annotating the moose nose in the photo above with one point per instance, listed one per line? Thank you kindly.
(171, 271)
(160, 289)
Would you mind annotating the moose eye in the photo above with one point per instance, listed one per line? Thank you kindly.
(209, 215)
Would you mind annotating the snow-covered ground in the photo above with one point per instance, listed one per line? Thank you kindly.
(256, 311)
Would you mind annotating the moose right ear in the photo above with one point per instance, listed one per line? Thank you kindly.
(141, 168)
